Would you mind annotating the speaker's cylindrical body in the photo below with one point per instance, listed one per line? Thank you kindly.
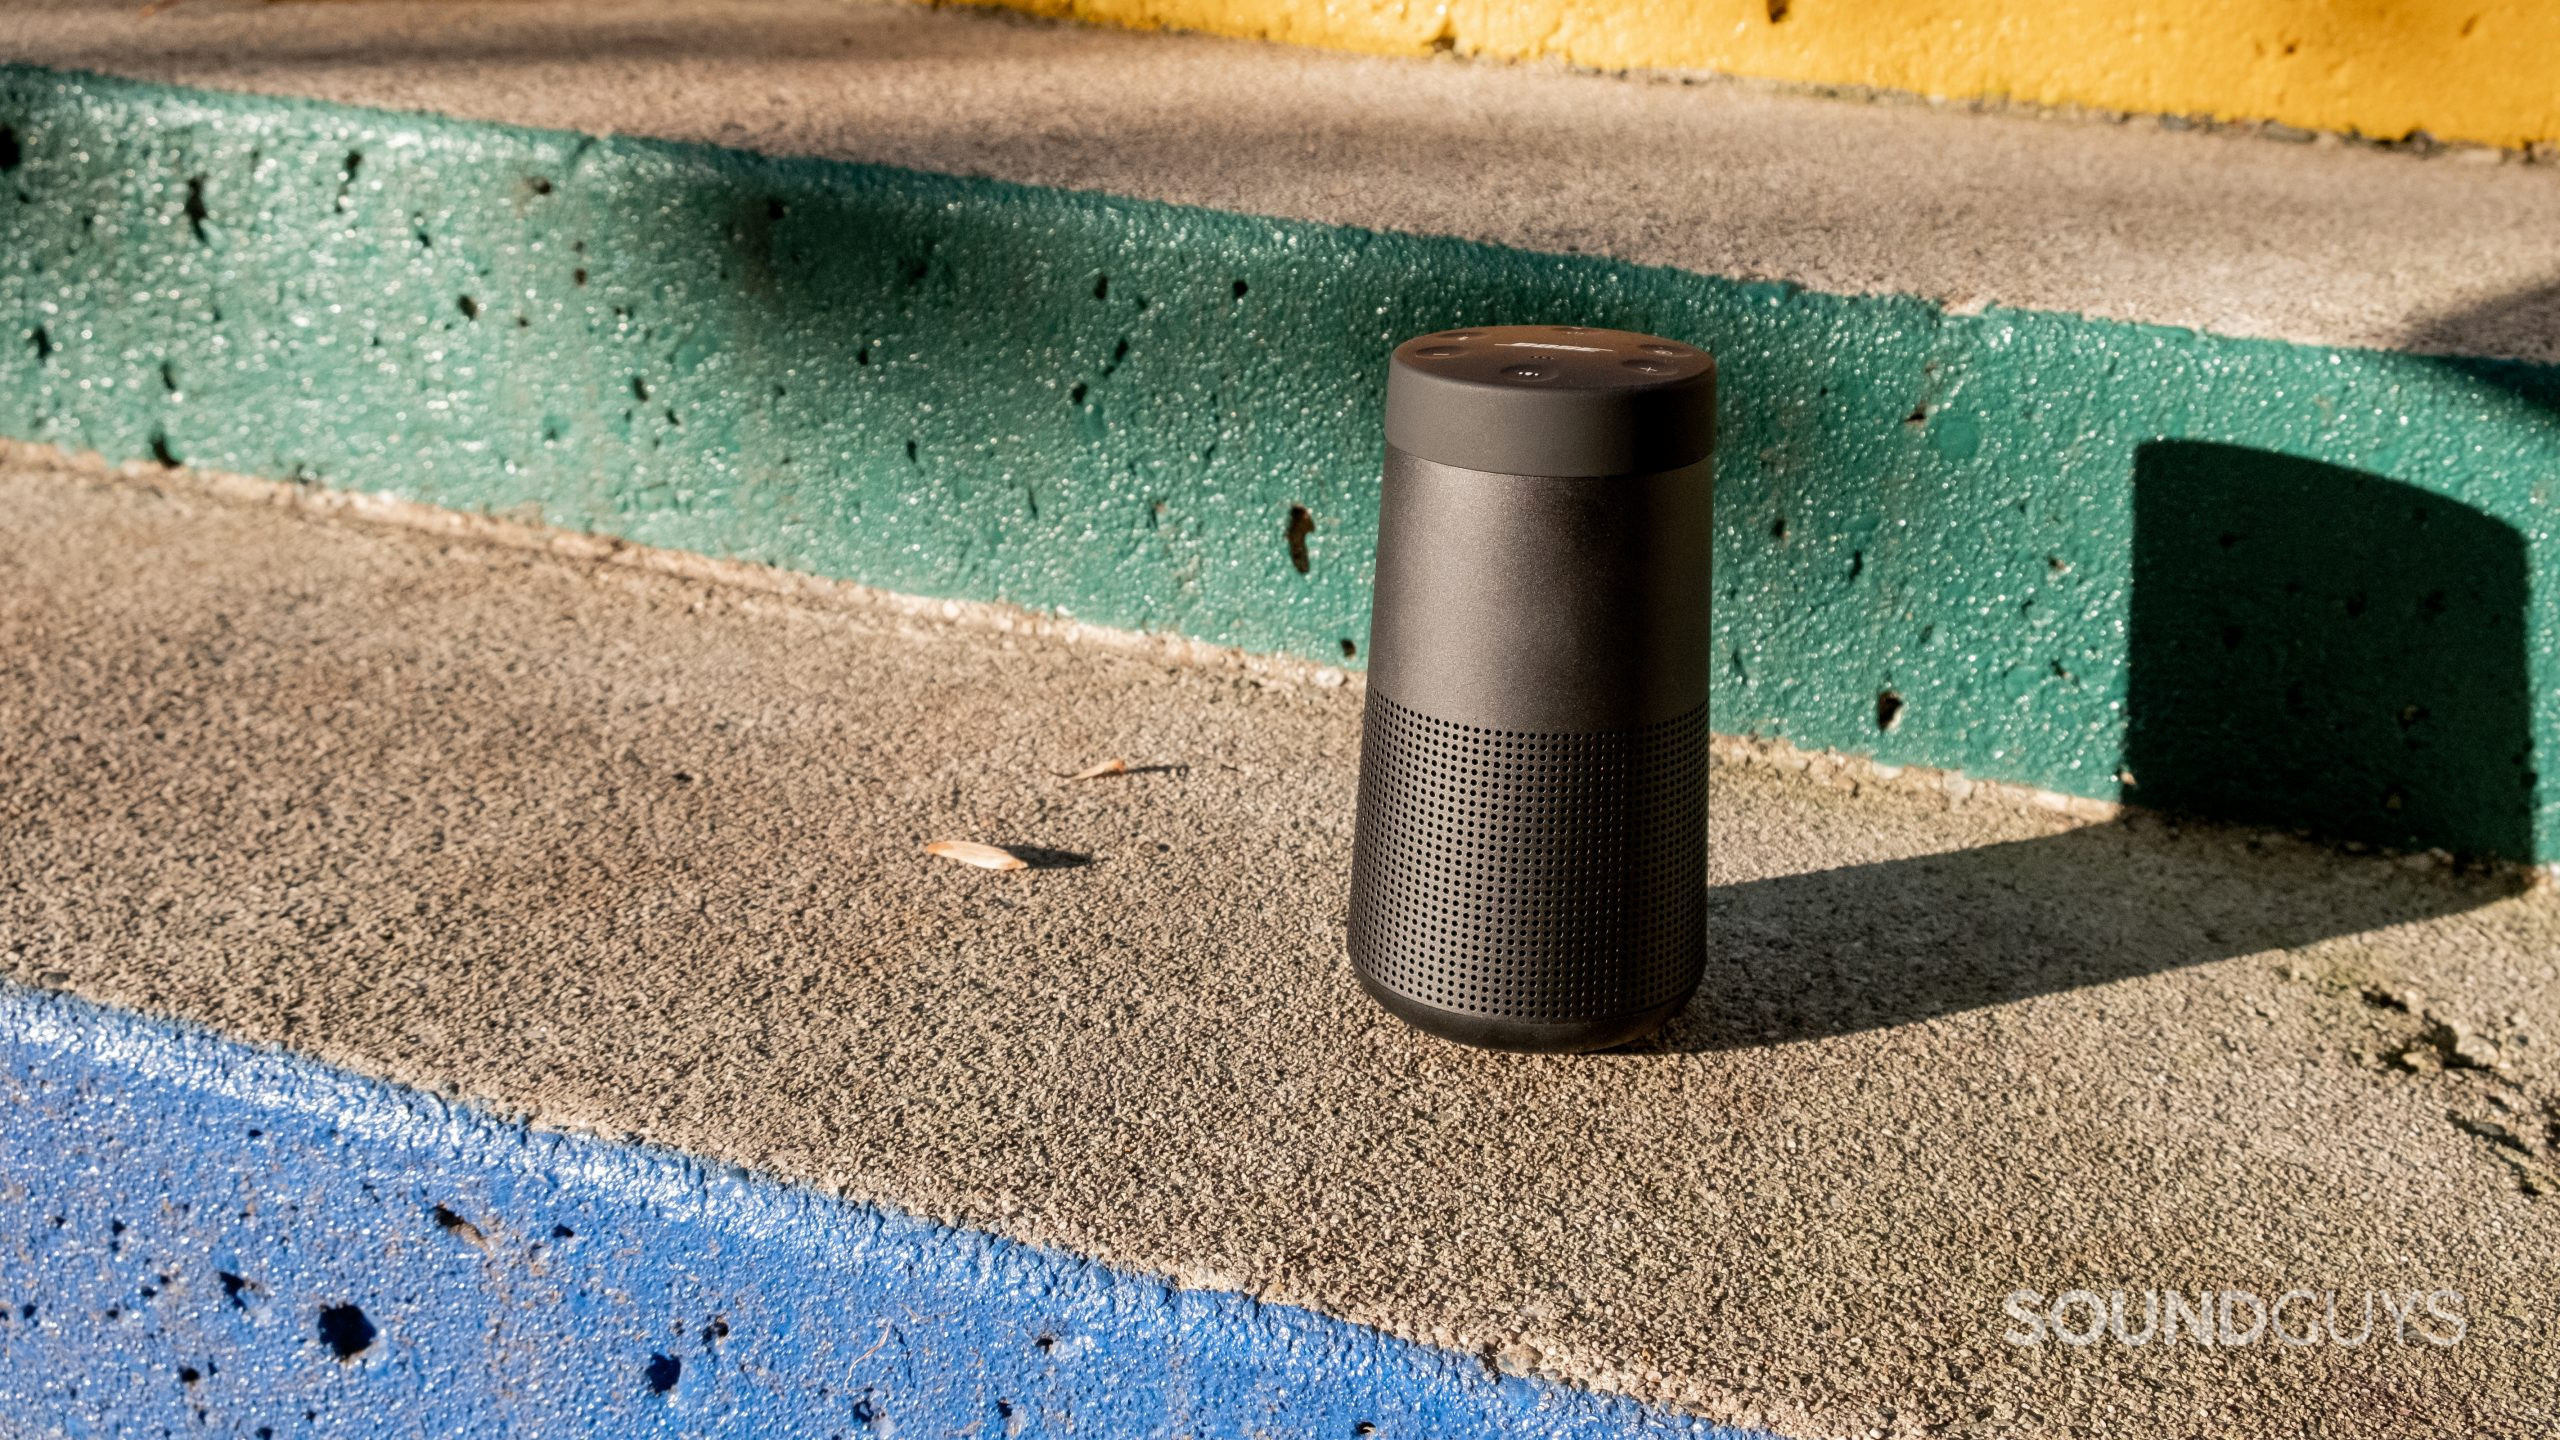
(1529, 871)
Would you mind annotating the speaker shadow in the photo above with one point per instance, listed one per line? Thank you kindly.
(1863, 947)
(2317, 648)
(2311, 649)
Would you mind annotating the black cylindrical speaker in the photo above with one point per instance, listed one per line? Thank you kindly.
(1529, 868)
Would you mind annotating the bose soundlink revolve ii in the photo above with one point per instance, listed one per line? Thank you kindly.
(1529, 871)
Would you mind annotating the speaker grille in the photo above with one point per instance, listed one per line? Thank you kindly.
(1544, 878)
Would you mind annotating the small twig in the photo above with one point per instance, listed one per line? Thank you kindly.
(970, 852)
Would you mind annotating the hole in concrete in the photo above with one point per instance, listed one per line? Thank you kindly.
(189, 1375)
(455, 1225)
(1102, 287)
(346, 1331)
(664, 1372)
(862, 356)
(911, 452)
(168, 458)
(234, 1287)
(1239, 288)
(578, 276)
(10, 155)
(1888, 709)
(42, 339)
(639, 388)
(1778, 10)
(775, 209)
(1046, 1343)
(1778, 528)
(469, 307)
(1350, 648)
(195, 206)
(1301, 525)
(1075, 393)
(563, 1232)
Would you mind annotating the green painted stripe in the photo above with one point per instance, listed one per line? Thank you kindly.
(2321, 579)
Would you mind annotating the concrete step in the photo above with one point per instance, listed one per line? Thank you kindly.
(2203, 472)
(459, 838)
(2428, 69)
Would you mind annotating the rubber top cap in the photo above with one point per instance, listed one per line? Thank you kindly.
(1552, 400)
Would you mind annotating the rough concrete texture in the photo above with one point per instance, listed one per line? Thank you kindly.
(635, 854)
(2455, 67)
(204, 1238)
(2319, 243)
(2292, 585)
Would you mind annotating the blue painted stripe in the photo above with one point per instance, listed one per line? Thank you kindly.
(207, 1238)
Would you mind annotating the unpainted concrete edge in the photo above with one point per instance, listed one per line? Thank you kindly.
(1830, 769)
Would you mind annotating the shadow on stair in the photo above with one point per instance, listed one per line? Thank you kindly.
(1803, 957)
(2311, 649)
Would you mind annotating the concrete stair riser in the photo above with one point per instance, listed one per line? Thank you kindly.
(1959, 540)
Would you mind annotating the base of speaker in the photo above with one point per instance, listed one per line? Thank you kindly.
(1528, 1036)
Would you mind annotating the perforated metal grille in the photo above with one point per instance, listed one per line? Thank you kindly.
(1530, 877)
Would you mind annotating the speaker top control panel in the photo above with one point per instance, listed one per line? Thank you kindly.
(1561, 400)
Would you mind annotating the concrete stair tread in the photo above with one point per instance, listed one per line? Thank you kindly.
(2235, 234)
(628, 851)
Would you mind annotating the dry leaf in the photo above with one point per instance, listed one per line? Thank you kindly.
(1113, 766)
(970, 852)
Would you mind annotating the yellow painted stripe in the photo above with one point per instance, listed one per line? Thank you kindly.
(2477, 70)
